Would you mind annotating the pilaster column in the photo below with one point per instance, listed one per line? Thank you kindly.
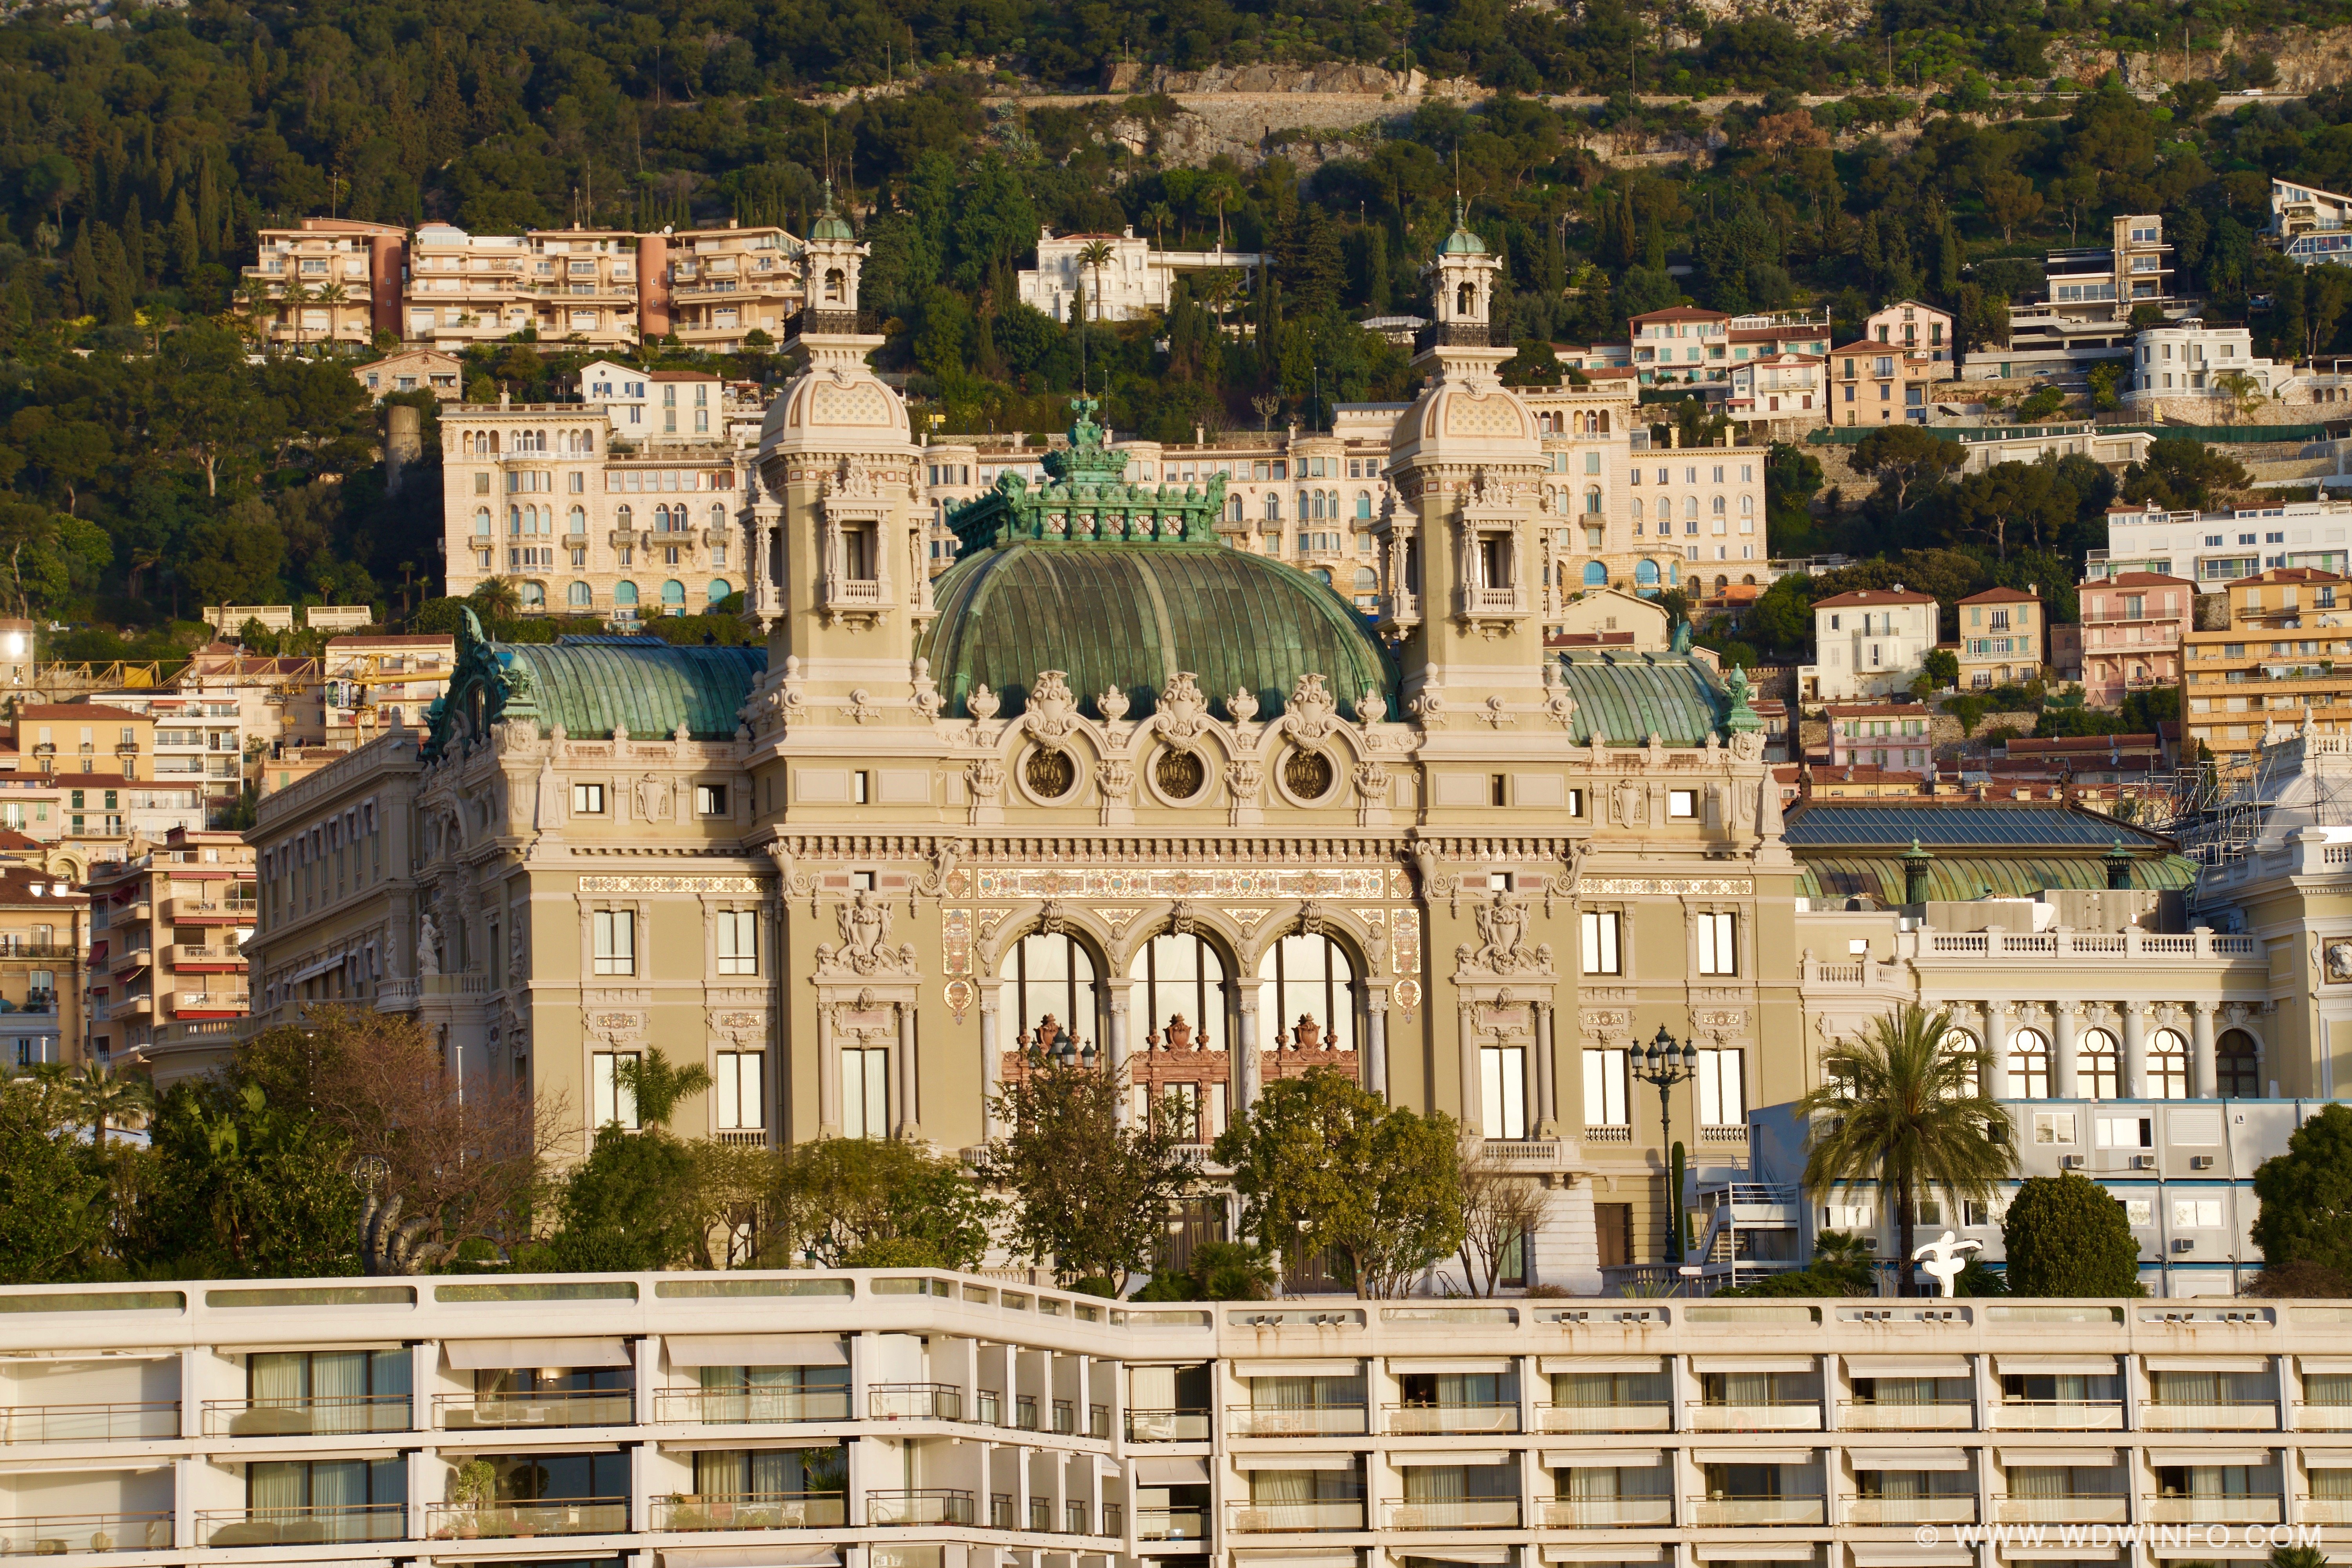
(1997, 1048)
(910, 1122)
(991, 1057)
(2066, 1079)
(1474, 1118)
(1376, 1045)
(828, 1077)
(1245, 1064)
(1122, 996)
(2135, 1050)
(2202, 1081)
(1547, 1096)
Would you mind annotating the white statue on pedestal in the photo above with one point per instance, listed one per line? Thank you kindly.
(1944, 1258)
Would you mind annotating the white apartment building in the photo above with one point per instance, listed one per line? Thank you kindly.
(568, 285)
(2085, 315)
(667, 406)
(1919, 328)
(1134, 282)
(2190, 361)
(1682, 346)
(199, 739)
(2309, 224)
(1869, 643)
(1789, 389)
(327, 280)
(2216, 548)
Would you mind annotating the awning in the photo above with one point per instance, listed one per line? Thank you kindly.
(1474, 1555)
(1557, 1366)
(710, 1439)
(758, 1350)
(1421, 1365)
(2209, 1363)
(1598, 1552)
(1902, 1555)
(1296, 1559)
(1754, 1551)
(1452, 1456)
(252, 1450)
(2060, 1459)
(1601, 1459)
(2168, 1458)
(1172, 1472)
(2327, 1458)
(504, 1355)
(2325, 1363)
(1752, 1363)
(1907, 1365)
(1752, 1455)
(2054, 1365)
(322, 1345)
(496, 1440)
(1349, 1367)
(312, 971)
(751, 1557)
(1908, 1459)
(1289, 1461)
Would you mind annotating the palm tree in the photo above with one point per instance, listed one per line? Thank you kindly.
(109, 1098)
(253, 301)
(296, 294)
(1902, 1109)
(1096, 254)
(1158, 216)
(331, 294)
(497, 598)
(656, 1085)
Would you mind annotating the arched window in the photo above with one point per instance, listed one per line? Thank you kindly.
(534, 594)
(1690, 506)
(1645, 573)
(2096, 1060)
(1466, 301)
(1963, 1043)
(673, 595)
(1592, 500)
(1314, 997)
(514, 519)
(1234, 509)
(482, 521)
(1186, 996)
(2168, 1066)
(661, 519)
(579, 596)
(1747, 506)
(2028, 1064)
(625, 519)
(1055, 991)
(1596, 575)
(2237, 1067)
(720, 590)
(579, 520)
(836, 286)
(1367, 580)
(1306, 508)
(466, 444)
(718, 516)
(1363, 506)
(1273, 506)
(625, 594)
(1721, 583)
(1637, 509)
(1718, 506)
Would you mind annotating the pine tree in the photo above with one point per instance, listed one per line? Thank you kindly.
(1654, 254)
(211, 238)
(118, 295)
(181, 244)
(81, 274)
(135, 240)
(444, 112)
(1627, 227)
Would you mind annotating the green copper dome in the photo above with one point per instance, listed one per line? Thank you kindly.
(831, 225)
(1126, 615)
(1461, 242)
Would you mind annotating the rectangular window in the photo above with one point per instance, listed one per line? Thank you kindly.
(710, 800)
(1722, 1091)
(1719, 949)
(614, 1100)
(738, 941)
(865, 1093)
(1503, 1091)
(1601, 943)
(587, 800)
(860, 787)
(616, 941)
(1682, 802)
(742, 1102)
(1605, 1086)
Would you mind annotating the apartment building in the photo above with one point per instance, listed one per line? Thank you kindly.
(413, 370)
(1133, 281)
(70, 737)
(2215, 549)
(327, 280)
(2276, 664)
(567, 285)
(199, 740)
(1682, 346)
(1914, 327)
(1885, 735)
(2085, 316)
(2189, 363)
(1876, 383)
(2001, 638)
(44, 950)
(2310, 224)
(1790, 390)
(2133, 625)
(167, 925)
(712, 288)
(1868, 643)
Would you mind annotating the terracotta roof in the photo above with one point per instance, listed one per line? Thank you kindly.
(2139, 580)
(1873, 597)
(2291, 575)
(1876, 710)
(681, 376)
(2002, 596)
(1681, 314)
(56, 711)
(17, 882)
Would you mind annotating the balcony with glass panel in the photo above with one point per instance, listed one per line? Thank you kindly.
(319, 1526)
(1312, 1494)
(2327, 1402)
(1608, 1490)
(1760, 1488)
(1912, 1485)
(1930, 1394)
(1300, 1406)
(1457, 1491)
(2239, 1397)
(1637, 1398)
(757, 1395)
(302, 1393)
(2212, 1485)
(918, 1506)
(917, 1402)
(62, 1535)
(129, 1422)
(2056, 1394)
(2060, 1493)
(1757, 1393)
(761, 1488)
(551, 1396)
(1466, 1397)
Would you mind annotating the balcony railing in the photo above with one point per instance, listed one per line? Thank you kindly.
(1954, 1507)
(515, 1521)
(2218, 1415)
(2309, 1417)
(1316, 1421)
(2078, 1507)
(56, 1534)
(748, 1406)
(457, 1412)
(301, 1526)
(2326, 1511)
(930, 1505)
(750, 1511)
(1465, 1513)
(916, 1401)
(1296, 1518)
(1608, 1514)
(1171, 1524)
(2249, 1508)
(1656, 1417)
(1421, 1420)
(1716, 1513)
(89, 1423)
(2059, 1415)
(1944, 1415)
(1756, 1416)
(304, 1418)
(1167, 1427)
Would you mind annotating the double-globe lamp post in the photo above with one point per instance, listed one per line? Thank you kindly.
(1666, 1064)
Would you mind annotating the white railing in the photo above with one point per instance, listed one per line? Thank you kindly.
(1957, 1508)
(2062, 944)
(1609, 1134)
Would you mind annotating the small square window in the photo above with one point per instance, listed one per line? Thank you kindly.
(1682, 802)
(1498, 881)
(710, 800)
(861, 881)
(588, 800)
(861, 788)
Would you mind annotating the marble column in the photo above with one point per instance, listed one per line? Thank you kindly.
(1474, 1118)
(1245, 1073)
(2135, 1062)
(2202, 1083)
(1122, 996)
(1546, 1116)
(1376, 1045)
(992, 1059)
(828, 1075)
(2065, 1074)
(902, 1067)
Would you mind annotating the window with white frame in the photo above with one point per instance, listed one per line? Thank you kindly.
(866, 1092)
(738, 941)
(1605, 1090)
(1503, 1091)
(1601, 943)
(1681, 803)
(616, 941)
(1718, 947)
(587, 800)
(615, 1102)
(739, 1084)
(1722, 1091)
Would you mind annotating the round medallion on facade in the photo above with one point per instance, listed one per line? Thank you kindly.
(1307, 774)
(1049, 773)
(1180, 773)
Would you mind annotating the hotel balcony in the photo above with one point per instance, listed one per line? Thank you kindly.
(1724, 1511)
(920, 1506)
(2248, 1507)
(305, 1417)
(2059, 1416)
(60, 1535)
(1465, 1513)
(2239, 1415)
(1775, 1416)
(2310, 1417)
(1294, 1518)
(2075, 1508)
(1426, 1420)
(130, 1423)
(1169, 1426)
(1658, 1418)
(747, 1406)
(1606, 1514)
(1319, 1421)
(750, 1511)
(1959, 1508)
(915, 1402)
(561, 1407)
(301, 1526)
(1945, 1415)
(1171, 1524)
(505, 1520)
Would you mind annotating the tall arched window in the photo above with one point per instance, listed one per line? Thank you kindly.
(579, 520)
(1637, 509)
(2168, 1066)
(1054, 979)
(1363, 505)
(1690, 506)
(482, 521)
(1466, 301)
(1592, 500)
(836, 286)
(2028, 1064)
(1645, 573)
(1314, 982)
(719, 590)
(534, 595)
(1273, 506)
(717, 517)
(1234, 509)
(673, 594)
(624, 595)
(1305, 507)
(579, 595)
(1185, 993)
(1596, 575)
(1718, 506)
(625, 519)
(2096, 1060)
(1963, 1043)
(514, 521)
(2237, 1067)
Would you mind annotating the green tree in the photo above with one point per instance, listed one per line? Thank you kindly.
(2066, 1235)
(53, 1195)
(656, 1084)
(2307, 1195)
(1902, 1109)
(2182, 474)
(1323, 1165)
(1942, 667)
(629, 1205)
(1217, 1271)
(1906, 459)
(238, 1187)
(1091, 1189)
(855, 1203)
(107, 1098)
(497, 599)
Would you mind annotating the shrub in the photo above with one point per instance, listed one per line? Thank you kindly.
(2067, 1237)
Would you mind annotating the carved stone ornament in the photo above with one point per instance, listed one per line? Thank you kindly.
(986, 779)
(855, 480)
(1373, 783)
(428, 945)
(1559, 707)
(862, 706)
(1503, 938)
(982, 703)
(1116, 780)
(1242, 705)
(1112, 704)
(864, 923)
(1748, 746)
(1182, 918)
(1052, 919)
(1312, 712)
(1495, 712)
(933, 883)
(790, 883)
(1629, 804)
(1371, 707)
(1052, 710)
(1182, 710)
(924, 699)
(1430, 708)
(1244, 779)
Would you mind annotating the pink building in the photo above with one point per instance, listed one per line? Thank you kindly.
(1894, 736)
(2132, 626)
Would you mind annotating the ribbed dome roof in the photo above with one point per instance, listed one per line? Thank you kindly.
(1130, 615)
(593, 685)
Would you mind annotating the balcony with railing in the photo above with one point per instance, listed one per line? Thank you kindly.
(2058, 1414)
(2067, 1508)
(747, 1406)
(1940, 1416)
(750, 1511)
(2318, 1416)
(2325, 1510)
(2214, 1416)
(1426, 1420)
(557, 1407)
(517, 1521)
(1607, 1513)
(919, 1506)
(1939, 1508)
(1172, 1523)
(1169, 1426)
(124, 1423)
(1457, 1513)
(301, 1526)
(2235, 1508)
(915, 1402)
(1649, 1418)
(1725, 1510)
(297, 1417)
(63, 1534)
(1294, 1518)
(1784, 1415)
(1310, 1421)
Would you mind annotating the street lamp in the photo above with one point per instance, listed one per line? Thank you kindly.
(1664, 1064)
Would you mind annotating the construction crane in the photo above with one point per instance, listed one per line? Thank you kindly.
(354, 686)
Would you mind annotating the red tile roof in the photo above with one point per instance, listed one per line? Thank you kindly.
(1873, 597)
(2002, 596)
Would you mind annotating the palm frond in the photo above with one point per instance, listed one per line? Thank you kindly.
(1901, 1108)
